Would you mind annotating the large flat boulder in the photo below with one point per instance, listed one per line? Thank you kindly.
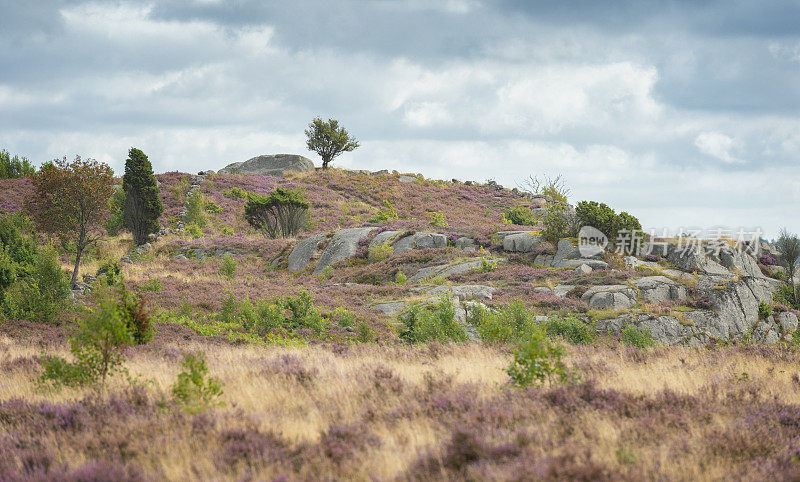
(610, 297)
(343, 245)
(270, 165)
(303, 252)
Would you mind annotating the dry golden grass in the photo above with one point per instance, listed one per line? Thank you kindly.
(300, 397)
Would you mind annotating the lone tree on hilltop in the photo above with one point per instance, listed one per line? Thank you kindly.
(281, 214)
(328, 139)
(142, 202)
(71, 199)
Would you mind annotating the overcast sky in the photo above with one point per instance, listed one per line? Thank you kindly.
(684, 113)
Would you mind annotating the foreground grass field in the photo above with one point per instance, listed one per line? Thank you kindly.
(398, 412)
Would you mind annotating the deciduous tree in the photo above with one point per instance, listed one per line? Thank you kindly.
(71, 199)
(328, 139)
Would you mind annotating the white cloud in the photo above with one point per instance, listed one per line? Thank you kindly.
(718, 145)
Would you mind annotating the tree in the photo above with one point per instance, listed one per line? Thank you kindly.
(71, 199)
(14, 167)
(328, 139)
(142, 203)
(789, 246)
(283, 213)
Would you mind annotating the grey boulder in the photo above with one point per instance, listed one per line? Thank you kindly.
(270, 165)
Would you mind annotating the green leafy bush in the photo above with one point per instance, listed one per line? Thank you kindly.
(380, 251)
(32, 285)
(400, 278)
(213, 207)
(521, 215)
(194, 231)
(111, 270)
(764, 310)
(638, 337)
(538, 360)
(437, 218)
(571, 329)
(97, 347)
(602, 217)
(227, 267)
(194, 389)
(432, 323)
(196, 210)
(153, 284)
(508, 323)
(281, 214)
(559, 222)
(235, 192)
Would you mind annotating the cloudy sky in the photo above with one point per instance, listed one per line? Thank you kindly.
(685, 113)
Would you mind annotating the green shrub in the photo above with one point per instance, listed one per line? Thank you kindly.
(97, 348)
(235, 192)
(386, 213)
(196, 210)
(194, 231)
(131, 309)
(227, 267)
(559, 222)
(432, 323)
(226, 231)
(281, 214)
(571, 329)
(437, 218)
(637, 337)
(344, 318)
(213, 207)
(32, 285)
(111, 270)
(287, 313)
(764, 310)
(602, 217)
(508, 323)
(194, 389)
(521, 215)
(153, 284)
(487, 265)
(364, 332)
(400, 278)
(537, 360)
(380, 251)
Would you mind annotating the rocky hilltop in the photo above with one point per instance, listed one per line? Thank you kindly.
(270, 165)
(451, 238)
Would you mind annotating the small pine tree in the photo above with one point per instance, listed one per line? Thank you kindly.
(142, 202)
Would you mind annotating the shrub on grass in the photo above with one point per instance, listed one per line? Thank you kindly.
(227, 267)
(281, 214)
(637, 337)
(387, 212)
(194, 389)
(521, 215)
(571, 329)
(538, 360)
(196, 210)
(432, 323)
(97, 347)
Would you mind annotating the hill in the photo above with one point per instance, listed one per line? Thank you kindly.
(379, 344)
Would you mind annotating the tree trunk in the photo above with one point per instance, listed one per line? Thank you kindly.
(79, 251)
(325, 162)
